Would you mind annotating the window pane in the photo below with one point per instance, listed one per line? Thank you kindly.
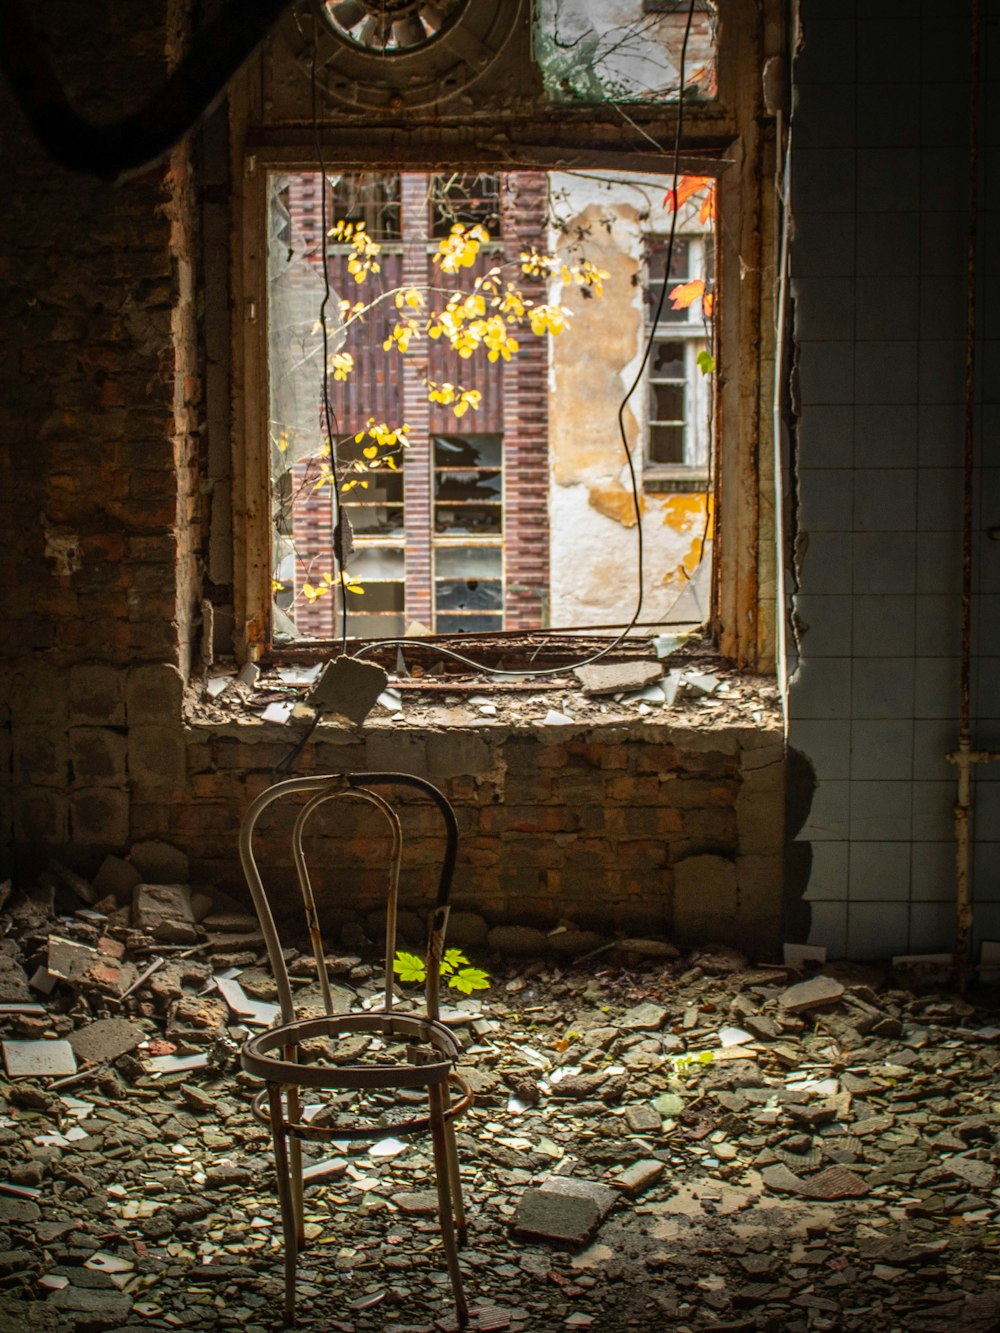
(369, 197)
(668, 402)
(376, 597)
(468, 561)
(383, 488)
(468, 450)
(377, 562)
(457, 484)
(666, 444)
(467, 518)
(469, 595)
(667, 361)
(473, 200)
(467, 624)
(372, 519)
(376, 626)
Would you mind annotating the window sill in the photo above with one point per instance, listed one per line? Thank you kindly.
(675, 479)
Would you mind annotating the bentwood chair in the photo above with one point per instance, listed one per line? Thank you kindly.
(297, 1060)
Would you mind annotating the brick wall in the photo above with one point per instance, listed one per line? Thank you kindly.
(651, 827)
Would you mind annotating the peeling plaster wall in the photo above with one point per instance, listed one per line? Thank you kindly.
(591, 507)
(879, 196)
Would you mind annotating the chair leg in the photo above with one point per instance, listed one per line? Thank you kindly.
(458, 1203)
(295, 1170)
(285, 1196)
(442, 1164)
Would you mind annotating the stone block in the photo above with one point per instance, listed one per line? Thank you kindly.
(41, 815)
(391, 752)
(159, 863)
(518, 941)
(563, 1209)
(760, 820)
(99, 815)
(97, 756)
(96, 695)
(40, 757)
(706, 904)
(116, 878)
(164, 911)
(106, 1039)
(157, 756)
(452, 754)
(154, 694)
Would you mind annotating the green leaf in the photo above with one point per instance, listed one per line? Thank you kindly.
(408, 967)
(470, 979)
(706, 362)
(453, 958)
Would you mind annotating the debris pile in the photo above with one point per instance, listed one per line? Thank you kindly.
(658, 1141)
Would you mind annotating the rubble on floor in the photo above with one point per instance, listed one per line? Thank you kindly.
(658, 1141)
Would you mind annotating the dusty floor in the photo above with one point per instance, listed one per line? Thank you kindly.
(832, 1166)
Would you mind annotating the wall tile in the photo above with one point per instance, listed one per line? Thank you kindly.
(933, 738)
(887, 372)
(939, 562)
(884, 562)
(827, 51)
(885, 500)
(882, 687)
(932, 874)
(890, 312)
(825, 116)
(823, 245)
(826, 743)
(877, 930)
(827, 566)
(880, 811)
(828, 818)
(826, 500)
(889, 121)
(888, 180)
(883, 624)
(828, 928)
(944, 115)
(936, 687)
(933, 811)
(940, 497)
(826, 372)
(887, 243)
(828, 877)
(942, 371)
(882, 749)
(986, 811)
(886, 435)
(824, 308)
(824, 625)
(888, 49)
(826, 437)
(943, 245)
(821, 689)
(941, 434)
(986, 872)
(823, 180)
(932, 927)
(938, 625)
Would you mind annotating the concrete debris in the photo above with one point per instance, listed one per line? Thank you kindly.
(159, 863)
(616, 677)
(833, 1164)
(164, 911)
(38, 1059)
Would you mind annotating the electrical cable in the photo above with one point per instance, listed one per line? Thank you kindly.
(328, 412)
(633, 479)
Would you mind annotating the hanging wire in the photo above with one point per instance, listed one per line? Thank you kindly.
(329, 416)
(633, 479)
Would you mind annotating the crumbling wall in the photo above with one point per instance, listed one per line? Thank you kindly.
(651, 827)
(96, 365)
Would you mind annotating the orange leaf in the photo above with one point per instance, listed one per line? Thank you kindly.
(687, 293)
(687, 186)
(707, 211)
(708, 303)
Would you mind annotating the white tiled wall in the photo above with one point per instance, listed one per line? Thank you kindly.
(879, 198)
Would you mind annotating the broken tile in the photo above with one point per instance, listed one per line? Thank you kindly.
(39, 1059)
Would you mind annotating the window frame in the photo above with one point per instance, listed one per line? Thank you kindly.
(737, 126)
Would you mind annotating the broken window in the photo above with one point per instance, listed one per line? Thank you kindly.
(469, 198)
(628, 51)
(680, 407)
(492, 453)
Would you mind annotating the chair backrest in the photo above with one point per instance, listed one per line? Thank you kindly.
(352, 786)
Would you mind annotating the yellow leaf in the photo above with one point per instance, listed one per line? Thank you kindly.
(371, 451)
